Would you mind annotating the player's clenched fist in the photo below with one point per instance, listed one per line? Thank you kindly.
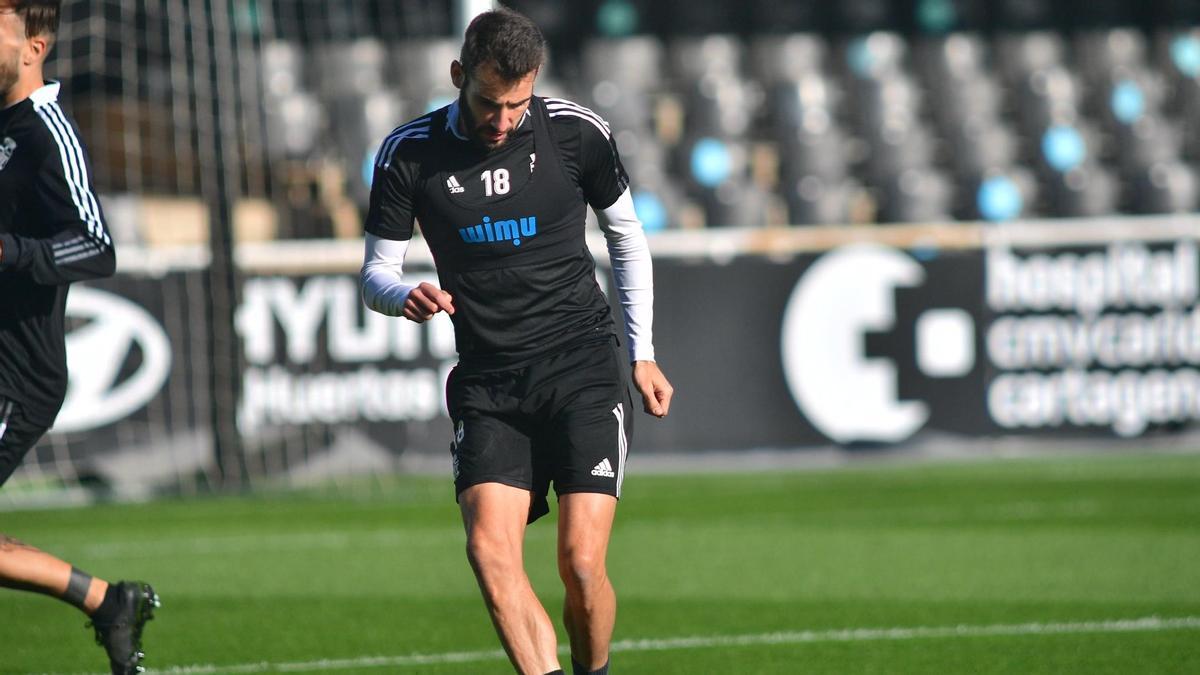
(656, 391)
(426, 300)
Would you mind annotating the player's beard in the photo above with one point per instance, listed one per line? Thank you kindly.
(8, 76)
(475, 131)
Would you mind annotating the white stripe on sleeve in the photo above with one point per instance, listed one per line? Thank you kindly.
(74, 170)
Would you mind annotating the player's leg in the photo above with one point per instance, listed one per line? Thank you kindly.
(118, 611)
(590, 606)
(21, 565)
(499, 492)
(26, 568)
(494, 516)
(589, 433)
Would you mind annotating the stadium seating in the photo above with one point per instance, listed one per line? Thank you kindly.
(748, 114)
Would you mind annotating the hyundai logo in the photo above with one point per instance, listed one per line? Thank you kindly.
(96, 351)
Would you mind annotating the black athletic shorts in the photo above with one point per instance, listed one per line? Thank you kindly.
(17, 436)
(564, 419)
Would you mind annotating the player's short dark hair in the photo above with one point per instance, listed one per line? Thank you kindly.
(505, 38)
(40, 16)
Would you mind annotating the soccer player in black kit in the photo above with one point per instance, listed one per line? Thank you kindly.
(500, 182)
(51, 234)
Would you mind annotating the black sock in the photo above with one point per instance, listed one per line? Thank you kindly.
(107, 610)
(556, 672)
(578, 669)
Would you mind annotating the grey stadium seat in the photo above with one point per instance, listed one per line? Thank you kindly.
(786, 58)
(1085, 191)
(958, 57)
(916, 195)
(692, 58)
(1166, 187)
(422, 68)
(817, 200)
(294, 124)
(282, 68)
(1019, 54)
(632, 63)
(347, 68)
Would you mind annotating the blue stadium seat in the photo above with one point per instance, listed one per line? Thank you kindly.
(1002, 195)
(936, 17)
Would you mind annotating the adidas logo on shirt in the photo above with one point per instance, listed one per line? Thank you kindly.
(604, 469)
(453, 186)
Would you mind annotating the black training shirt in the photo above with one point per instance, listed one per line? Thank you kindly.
(506, 227)
(52, 233)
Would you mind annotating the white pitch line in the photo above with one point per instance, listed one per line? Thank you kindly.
(1147, 624)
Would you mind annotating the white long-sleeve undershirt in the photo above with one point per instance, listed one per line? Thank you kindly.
(630, 256)
(384, 290)
(383, 287)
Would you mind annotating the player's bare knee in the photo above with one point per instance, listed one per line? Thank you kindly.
(491, 556)
(581, 571)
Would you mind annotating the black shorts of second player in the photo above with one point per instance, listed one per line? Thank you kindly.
(17, 436)
(561, 420)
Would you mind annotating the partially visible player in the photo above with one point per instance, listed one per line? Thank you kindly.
(51, 234)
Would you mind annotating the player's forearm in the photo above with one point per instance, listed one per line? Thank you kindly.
(383, 287)
(633, 271)
(72, 255)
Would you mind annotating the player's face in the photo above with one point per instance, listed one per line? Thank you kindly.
(491, 106)
(12, 43)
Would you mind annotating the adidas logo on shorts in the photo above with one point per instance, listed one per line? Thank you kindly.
(604, 469)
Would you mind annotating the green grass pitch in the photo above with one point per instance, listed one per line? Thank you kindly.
(1016, 566)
